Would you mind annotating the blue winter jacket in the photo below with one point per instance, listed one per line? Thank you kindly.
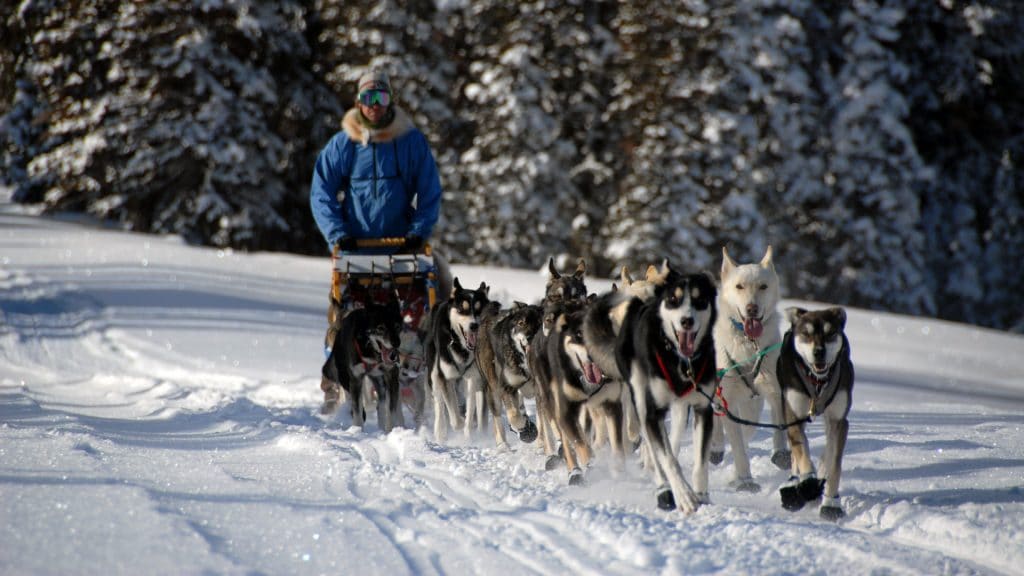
(375, 183)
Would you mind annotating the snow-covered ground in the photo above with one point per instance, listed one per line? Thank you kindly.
(158, 415)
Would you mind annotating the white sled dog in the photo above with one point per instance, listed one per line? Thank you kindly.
(816, 375)
(747, 339)
(449, 344)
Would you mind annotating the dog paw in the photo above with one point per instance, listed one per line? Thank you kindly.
(703, 498)
(666, 501)
(528, 433)
(783, 459)
(576, 477)
(831, 513)
(552, 462)
(716, 457)
(329, 407)
(746, 485)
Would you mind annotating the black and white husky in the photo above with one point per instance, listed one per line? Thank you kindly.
(816, 375)
(450, 341)
(504, 343)
(363, 363)
(666, 353)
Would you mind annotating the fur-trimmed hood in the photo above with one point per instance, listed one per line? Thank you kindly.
(359, 132)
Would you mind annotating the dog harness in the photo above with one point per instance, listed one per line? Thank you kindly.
(818, 388)
(757, 358)
(679, 386)
(370, 365)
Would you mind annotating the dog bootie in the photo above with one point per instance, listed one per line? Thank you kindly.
(666, 501)
(796, 492)
(715, 457)
(528, 433)
(576, 477)
(790, 494)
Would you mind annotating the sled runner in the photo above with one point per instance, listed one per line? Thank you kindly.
(365, 276)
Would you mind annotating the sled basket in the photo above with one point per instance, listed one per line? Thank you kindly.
(359, 278)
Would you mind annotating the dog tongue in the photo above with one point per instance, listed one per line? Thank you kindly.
(753, 328)
(592, 372)
(687, 343)
(471, 340)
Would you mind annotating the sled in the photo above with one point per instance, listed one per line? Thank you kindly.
(361, 276)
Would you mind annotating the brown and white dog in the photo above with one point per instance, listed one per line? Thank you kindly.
(816, 376)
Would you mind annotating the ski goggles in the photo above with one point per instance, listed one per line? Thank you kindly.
(371, 97)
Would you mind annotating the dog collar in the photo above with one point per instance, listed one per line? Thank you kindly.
(736, 324)
(679, 384)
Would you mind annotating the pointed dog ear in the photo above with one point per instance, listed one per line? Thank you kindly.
(484, 288)
(658, 277)
(455, 286)
(625, 277)
(551, 269)
(766, 262)
(840, 316)
(727, 262)
(793, 314)
(581, 268)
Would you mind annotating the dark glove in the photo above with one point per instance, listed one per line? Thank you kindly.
(346, 244)
(413, 243)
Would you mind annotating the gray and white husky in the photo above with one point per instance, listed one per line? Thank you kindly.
(449, 344)
(816, 375)
(501, 355)
(747, 336)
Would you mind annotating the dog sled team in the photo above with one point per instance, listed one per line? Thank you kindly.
(629, 368)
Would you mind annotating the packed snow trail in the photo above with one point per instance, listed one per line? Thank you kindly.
(158, 413)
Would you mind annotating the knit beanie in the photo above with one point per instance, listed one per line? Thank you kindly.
(374, 80)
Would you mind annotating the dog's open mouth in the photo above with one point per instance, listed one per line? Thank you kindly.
(687, 340)
(592, 373)
(471, 339)
(753, 328)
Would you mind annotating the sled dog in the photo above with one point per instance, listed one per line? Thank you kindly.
(601, 327)
(816, 375)
(450, 341)
(562, 287)
(501, 355)
(363, 363)
(747, 336)
(577, 383)
(560, 290)
(665, 351)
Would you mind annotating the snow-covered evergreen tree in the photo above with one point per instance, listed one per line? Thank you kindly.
(875, 143)
(666, 80)
(878, 252)
(173, 117)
